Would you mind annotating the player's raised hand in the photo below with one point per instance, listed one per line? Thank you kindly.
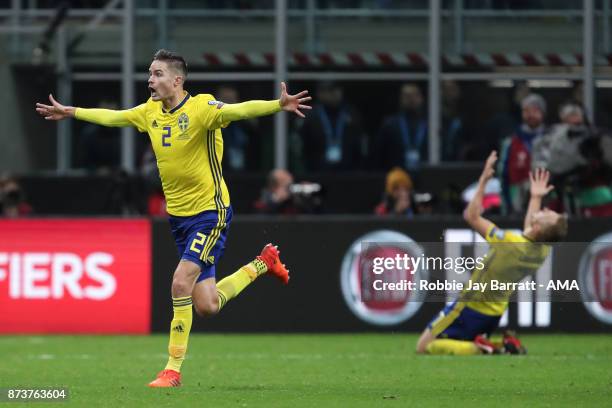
(55, 111)
(293, 103)
(539, 186)
(489, 168)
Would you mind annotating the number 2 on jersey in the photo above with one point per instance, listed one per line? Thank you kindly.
(166, 135)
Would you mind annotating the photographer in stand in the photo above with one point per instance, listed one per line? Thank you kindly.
(282, 196)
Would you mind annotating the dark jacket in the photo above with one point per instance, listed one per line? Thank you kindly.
(402, 141)
(332, 139)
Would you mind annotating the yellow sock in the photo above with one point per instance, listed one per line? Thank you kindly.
(230, 286)
(452, 347)
(179, 332)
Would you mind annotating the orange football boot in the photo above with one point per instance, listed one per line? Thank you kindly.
(270, 256)
(485, 345)
(166, 378)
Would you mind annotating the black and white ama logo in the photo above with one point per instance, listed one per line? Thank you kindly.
(595, 276)
(357, 279)
(183, 122)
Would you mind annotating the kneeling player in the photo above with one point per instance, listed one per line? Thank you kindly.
(463, 327)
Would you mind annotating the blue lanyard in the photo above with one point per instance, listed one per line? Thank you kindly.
(526, 137)
(405, 131)
(333, 138)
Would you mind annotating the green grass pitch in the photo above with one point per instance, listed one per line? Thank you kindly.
(351, 370)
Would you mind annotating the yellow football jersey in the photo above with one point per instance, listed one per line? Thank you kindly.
(188, 147)
(510, 258)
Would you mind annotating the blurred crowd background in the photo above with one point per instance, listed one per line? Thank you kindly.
(364, 148)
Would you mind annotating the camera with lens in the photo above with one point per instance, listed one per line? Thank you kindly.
(307, 197)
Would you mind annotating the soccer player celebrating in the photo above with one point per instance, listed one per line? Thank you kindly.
(185, 133)
(462, 327)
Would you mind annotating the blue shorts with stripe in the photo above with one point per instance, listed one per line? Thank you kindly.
(459, 322)
(201, 238)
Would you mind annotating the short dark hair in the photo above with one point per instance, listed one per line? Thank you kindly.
(173, 59)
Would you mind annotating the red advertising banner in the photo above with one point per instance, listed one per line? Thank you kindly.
(75, 276)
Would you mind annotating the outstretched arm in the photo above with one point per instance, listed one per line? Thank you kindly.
(473, 211)
(55, 111)
(539, 187)
(253, 109)
(105, 117)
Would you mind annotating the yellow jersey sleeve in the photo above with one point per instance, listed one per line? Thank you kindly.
(115, 118)
(495, 235)
(216, 114)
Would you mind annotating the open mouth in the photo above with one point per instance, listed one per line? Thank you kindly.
(153, 91)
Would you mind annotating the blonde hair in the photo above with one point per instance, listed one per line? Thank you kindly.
(554, 232)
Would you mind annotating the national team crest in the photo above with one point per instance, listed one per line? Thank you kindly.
(183, 122)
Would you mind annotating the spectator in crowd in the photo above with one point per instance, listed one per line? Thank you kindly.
(240, 139)
(402, 139)
(283, 196)
(571, 122)
(276, 196)
(13, 203)
(452, 143)
(397, 199)
(571, 114)
(580, 159)
(332, 137)
(515, 162)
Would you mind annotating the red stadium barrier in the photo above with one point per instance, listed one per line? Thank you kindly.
(399, 59)
(75, 276)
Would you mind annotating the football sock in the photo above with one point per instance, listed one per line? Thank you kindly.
(179, 332)
(230, 286)
(499, 344)
(452, 347)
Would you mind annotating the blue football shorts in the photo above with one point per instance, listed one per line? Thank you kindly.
(201, 238)
(459, 322)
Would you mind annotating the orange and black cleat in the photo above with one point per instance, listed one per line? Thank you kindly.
(512, 345)
(270, 256)
(485, 345)
(166, 378)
